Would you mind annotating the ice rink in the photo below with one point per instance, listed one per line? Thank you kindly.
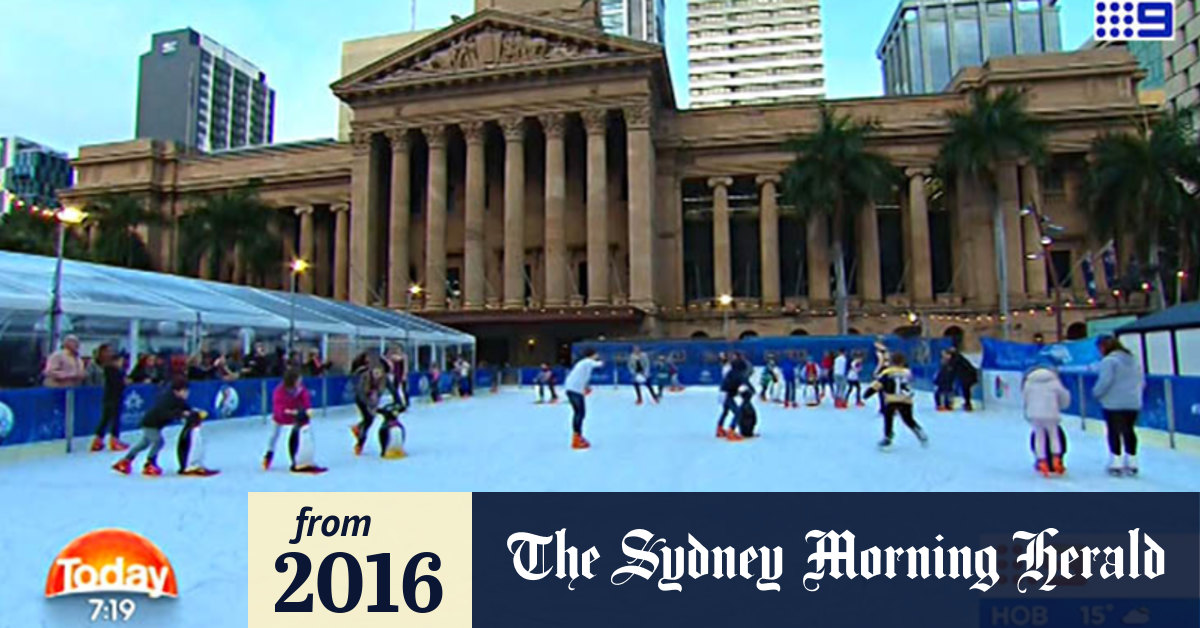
(504, 442)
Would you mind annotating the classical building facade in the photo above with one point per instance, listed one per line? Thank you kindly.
(536, 181)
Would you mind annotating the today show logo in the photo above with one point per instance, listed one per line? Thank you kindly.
(111, 560)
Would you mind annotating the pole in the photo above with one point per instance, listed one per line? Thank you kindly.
(291, 350)
(1001, 250)
(56, 298)
(1169, 393)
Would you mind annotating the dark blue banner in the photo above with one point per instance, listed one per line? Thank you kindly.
(784, 560)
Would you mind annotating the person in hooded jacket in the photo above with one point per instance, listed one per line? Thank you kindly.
(1045, 398)
(1119, 390)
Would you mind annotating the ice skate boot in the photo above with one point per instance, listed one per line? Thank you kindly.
(267, 460)
(115, 444)
(1131, 465)
(97, 444)
(1044, 468)
(122, 466)
(885, 444)
(721, 432)
(579, 442)
(151, 469)
(1115, 468)
(1056, 465)
(734, 435)
(922, 436)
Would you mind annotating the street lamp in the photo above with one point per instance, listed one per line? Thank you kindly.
(725, 301)
(298, 267)
(1046, 240)
(414, 292)
(64, 216)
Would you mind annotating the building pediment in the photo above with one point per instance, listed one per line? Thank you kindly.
(489, 43)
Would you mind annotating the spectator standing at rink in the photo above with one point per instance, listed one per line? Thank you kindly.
(1119, 390)
(64, 368)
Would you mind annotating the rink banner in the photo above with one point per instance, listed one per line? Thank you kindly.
(706, 559)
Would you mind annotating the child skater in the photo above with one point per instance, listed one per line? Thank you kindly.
(812, 377)
(171, 406)
(576, 384)
(545, 380)
(639, 368)
(662, 376)
(854, 379)
(943, 384)
(288, 401)
(766, 380)
(1045, 398)
(673, 369)
(894, 384)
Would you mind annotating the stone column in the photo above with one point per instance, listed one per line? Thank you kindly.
(556, 200)
(341, 251)
(514, 211)
(640, 158)
(474, 277)
(1010, 201)
(722, 262)
(768, 230)
(308, 247)
(362, 221)
(870, 282)
(818, 259)
(398, 257)
(595, 122)
(322, 256)
(435, 220)
(1035, 270)
(920, 277)
(286, 230)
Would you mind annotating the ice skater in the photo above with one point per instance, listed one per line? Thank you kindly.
(289, 400)
(171, 406)
(1119, 390)
(894, 384)
(1045, 398)
(839, 379)
(787, 370)
(661, 374)
(367, 393)
(576, 385)
(737, 377)
(812, 380)
(639, 368)
(766, 381)
(943, 384)
(854, 379)
(545, 381)
(114, 393)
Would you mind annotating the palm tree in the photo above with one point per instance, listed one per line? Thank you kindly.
(23, 231)
(994, 130)
(116, 241)
(231, 221)
(1144, 184)
(834, 174)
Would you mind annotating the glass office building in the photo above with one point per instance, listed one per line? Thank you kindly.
(929, 41)
(31, 172)
(639, 19)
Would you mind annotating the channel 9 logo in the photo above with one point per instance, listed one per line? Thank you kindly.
(1135, 20)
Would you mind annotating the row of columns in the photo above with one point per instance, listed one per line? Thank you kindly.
(641, 166)
(310, 249)
(917, 245)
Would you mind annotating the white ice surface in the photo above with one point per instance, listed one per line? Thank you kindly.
(504, 442)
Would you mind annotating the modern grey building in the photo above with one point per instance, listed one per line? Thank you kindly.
(639, 19)
(929, 41)
(31, 173)
(197, 92)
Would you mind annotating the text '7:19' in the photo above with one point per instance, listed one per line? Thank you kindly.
(383, 583)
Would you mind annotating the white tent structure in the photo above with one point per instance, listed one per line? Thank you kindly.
(139, 312)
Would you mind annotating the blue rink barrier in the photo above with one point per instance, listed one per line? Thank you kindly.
(1171, 404)
(33, 415)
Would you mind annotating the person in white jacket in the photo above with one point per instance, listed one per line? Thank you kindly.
(1045, 398)
(576, 387)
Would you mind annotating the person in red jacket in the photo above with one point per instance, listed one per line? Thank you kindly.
(290, 404)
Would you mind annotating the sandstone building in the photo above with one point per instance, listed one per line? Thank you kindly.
(538, 182)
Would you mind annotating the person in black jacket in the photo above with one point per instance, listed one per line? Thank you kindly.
(738, 376)
(967, 376)
(114, 392)
(171, 406)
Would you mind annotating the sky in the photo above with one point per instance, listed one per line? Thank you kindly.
(68, 68)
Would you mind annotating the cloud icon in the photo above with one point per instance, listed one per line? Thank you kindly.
(1136, 617)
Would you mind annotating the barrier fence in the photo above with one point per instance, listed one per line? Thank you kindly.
(34, 415)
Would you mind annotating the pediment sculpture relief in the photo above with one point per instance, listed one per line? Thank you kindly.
(491, 48)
